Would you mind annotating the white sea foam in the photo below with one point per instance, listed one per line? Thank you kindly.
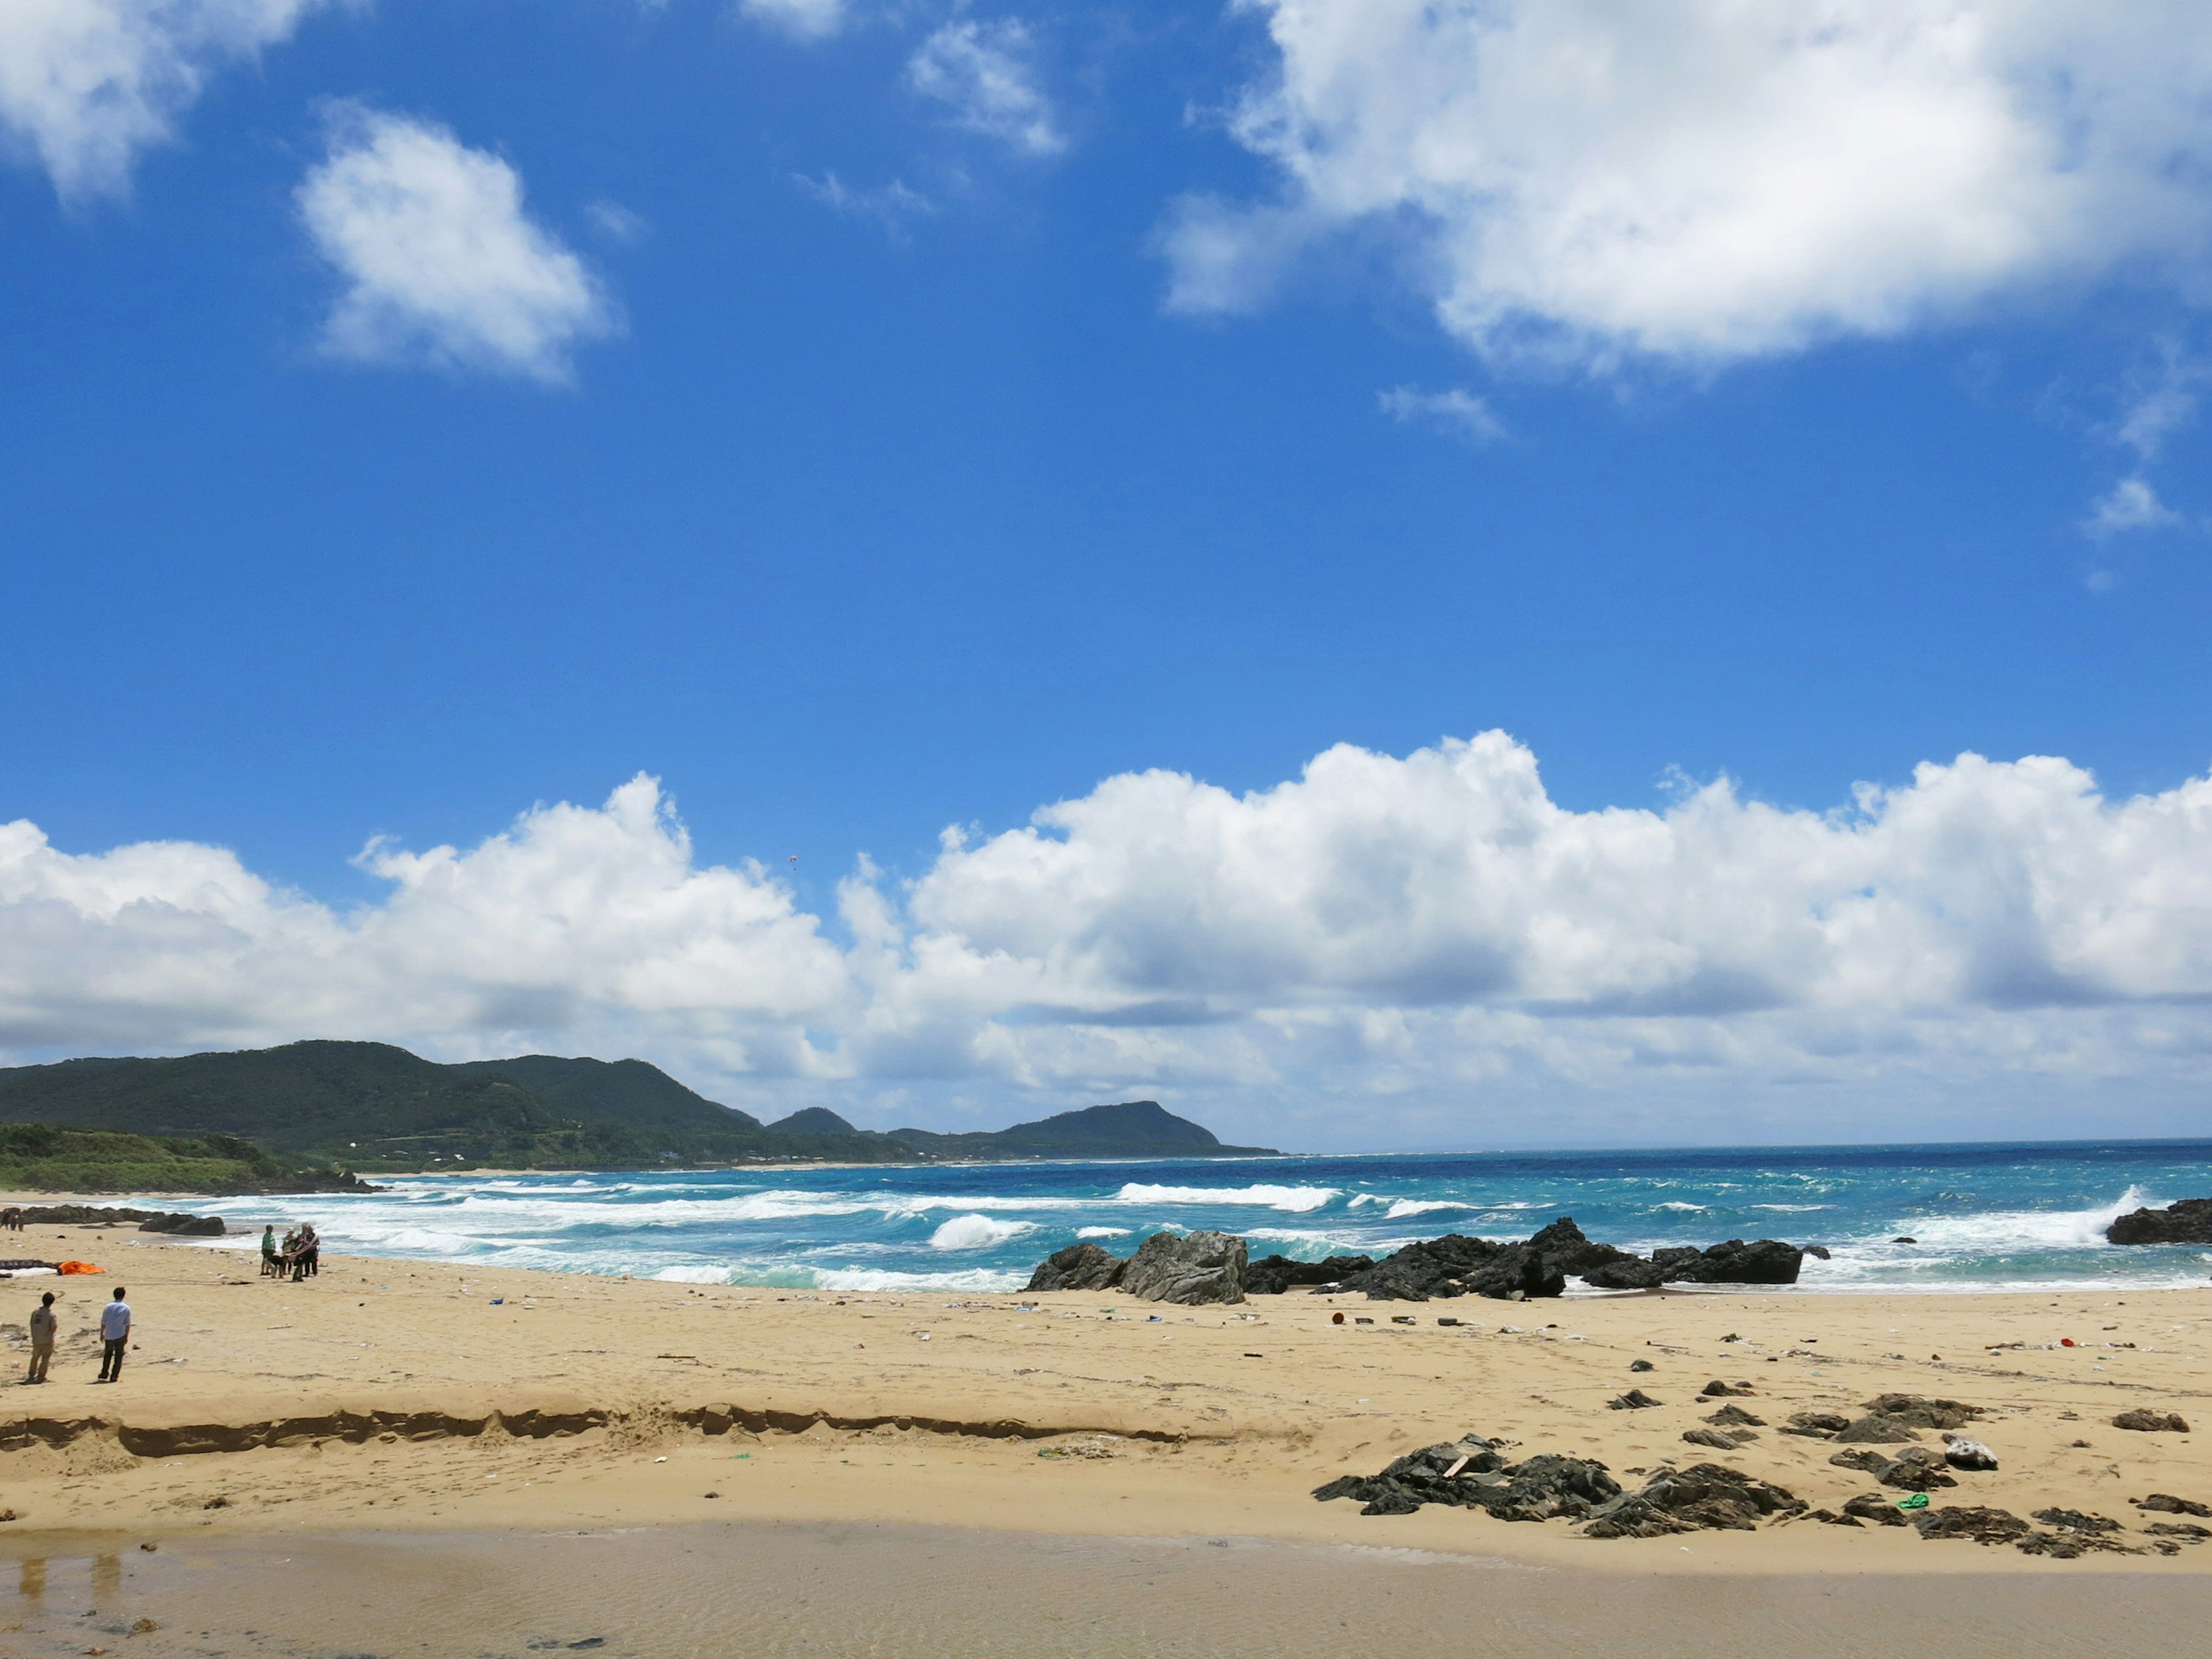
(1297, 1200)
(1101, 1232)
(1406, 1206)
(694, 1275)
(978, 1232)
(1359, 1199)
(1677, 1204)
(971, 1279)
(1793, 1209)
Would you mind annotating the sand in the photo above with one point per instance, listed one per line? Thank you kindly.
(494, 1401)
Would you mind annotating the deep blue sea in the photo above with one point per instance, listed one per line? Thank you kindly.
(2011, 1216)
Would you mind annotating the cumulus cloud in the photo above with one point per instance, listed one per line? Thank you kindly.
(2131, 504)
(1383, 949)
(1705, 180)
(85, 85)
(983, 73)
(439, 261)
(1460, 413)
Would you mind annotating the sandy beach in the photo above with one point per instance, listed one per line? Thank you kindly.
(411, 1397)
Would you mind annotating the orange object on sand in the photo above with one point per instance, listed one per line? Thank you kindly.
(78, 1267)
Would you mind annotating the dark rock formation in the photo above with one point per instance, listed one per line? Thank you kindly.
(1817, 1426)
(1916, 1469)
(1469, 1474)
(1703, 1496)
(1866, 1460)
(149, 1221)
(1642, 1365)
(1634, 1400)
(1735, 1416)
(1562, 1245)
(1082, 1267)
(1718, 1389)
(1633, 1274)
(1716, 1439)
(1981, 1525)
(1198, 1267)
(1920, 1411)
(1444, 1474)
(2189, 1222)
(2075, 1521)
(1272, 1275)
(1456, 1265)
(1878, 1429)
(2151, 1422)
(2165, 1503)
(1873, 1506)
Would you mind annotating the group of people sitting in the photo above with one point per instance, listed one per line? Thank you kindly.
(299, 1257)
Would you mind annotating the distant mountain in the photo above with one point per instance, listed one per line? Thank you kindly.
(374, 1107)
(1135, 1128)
(813, 1121)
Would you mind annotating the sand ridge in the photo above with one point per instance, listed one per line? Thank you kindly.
(393, 1395)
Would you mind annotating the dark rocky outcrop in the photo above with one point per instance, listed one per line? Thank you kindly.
(149, 1221)
(1878, 1429)
(1972, 1522)
(1919, 1411)
(1198, 1267)
(1634, 1400)
(2189, 1222)
(1470, 1474)
(1272, 1275)
(1705, 1496)
(1718, 1389)
(1456, 1265)
(1873, 1506)
(1916, 1469)
(1817, 1426)
(2151, 1422)
(1737, 1417)
(1084, 1266)
(1716, 1439)
(1633, 1274)
(2165, 1503)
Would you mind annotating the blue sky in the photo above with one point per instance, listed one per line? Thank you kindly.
(867, 420)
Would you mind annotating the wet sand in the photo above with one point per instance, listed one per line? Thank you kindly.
(835, 1590)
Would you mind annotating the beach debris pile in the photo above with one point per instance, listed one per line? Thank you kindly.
(2189, 1222)
(1196, 1268)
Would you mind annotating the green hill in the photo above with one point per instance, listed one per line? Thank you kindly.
(372, 1108)
(37, 1157)
(1134, 1128)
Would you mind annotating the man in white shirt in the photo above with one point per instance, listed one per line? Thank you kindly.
(114, 1337)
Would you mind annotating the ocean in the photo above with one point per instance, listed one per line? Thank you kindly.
(1935, 1219)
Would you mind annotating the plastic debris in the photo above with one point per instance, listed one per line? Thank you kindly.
(1918, 1501)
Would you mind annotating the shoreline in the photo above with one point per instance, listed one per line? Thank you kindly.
(402, 1396)
(939, 1592)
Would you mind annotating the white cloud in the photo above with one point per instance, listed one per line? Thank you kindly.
(2131, 504)
(85, 85)
(1460, 413)
(890, 205)
(439, 262)
(1704, 180)
(1381, 950)
(983, 71)
(802, 20)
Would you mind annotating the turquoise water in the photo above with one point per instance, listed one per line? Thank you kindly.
(1982, 1217)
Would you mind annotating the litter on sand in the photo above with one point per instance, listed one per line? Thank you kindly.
(1918, 1501)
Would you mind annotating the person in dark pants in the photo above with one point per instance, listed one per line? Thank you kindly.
(114, 1337)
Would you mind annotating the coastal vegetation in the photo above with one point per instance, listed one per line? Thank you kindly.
(40, 1157)
(372, 1108)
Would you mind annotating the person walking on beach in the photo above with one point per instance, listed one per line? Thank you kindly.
(114, 1337)
(269, 1268)
(42, 1338)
